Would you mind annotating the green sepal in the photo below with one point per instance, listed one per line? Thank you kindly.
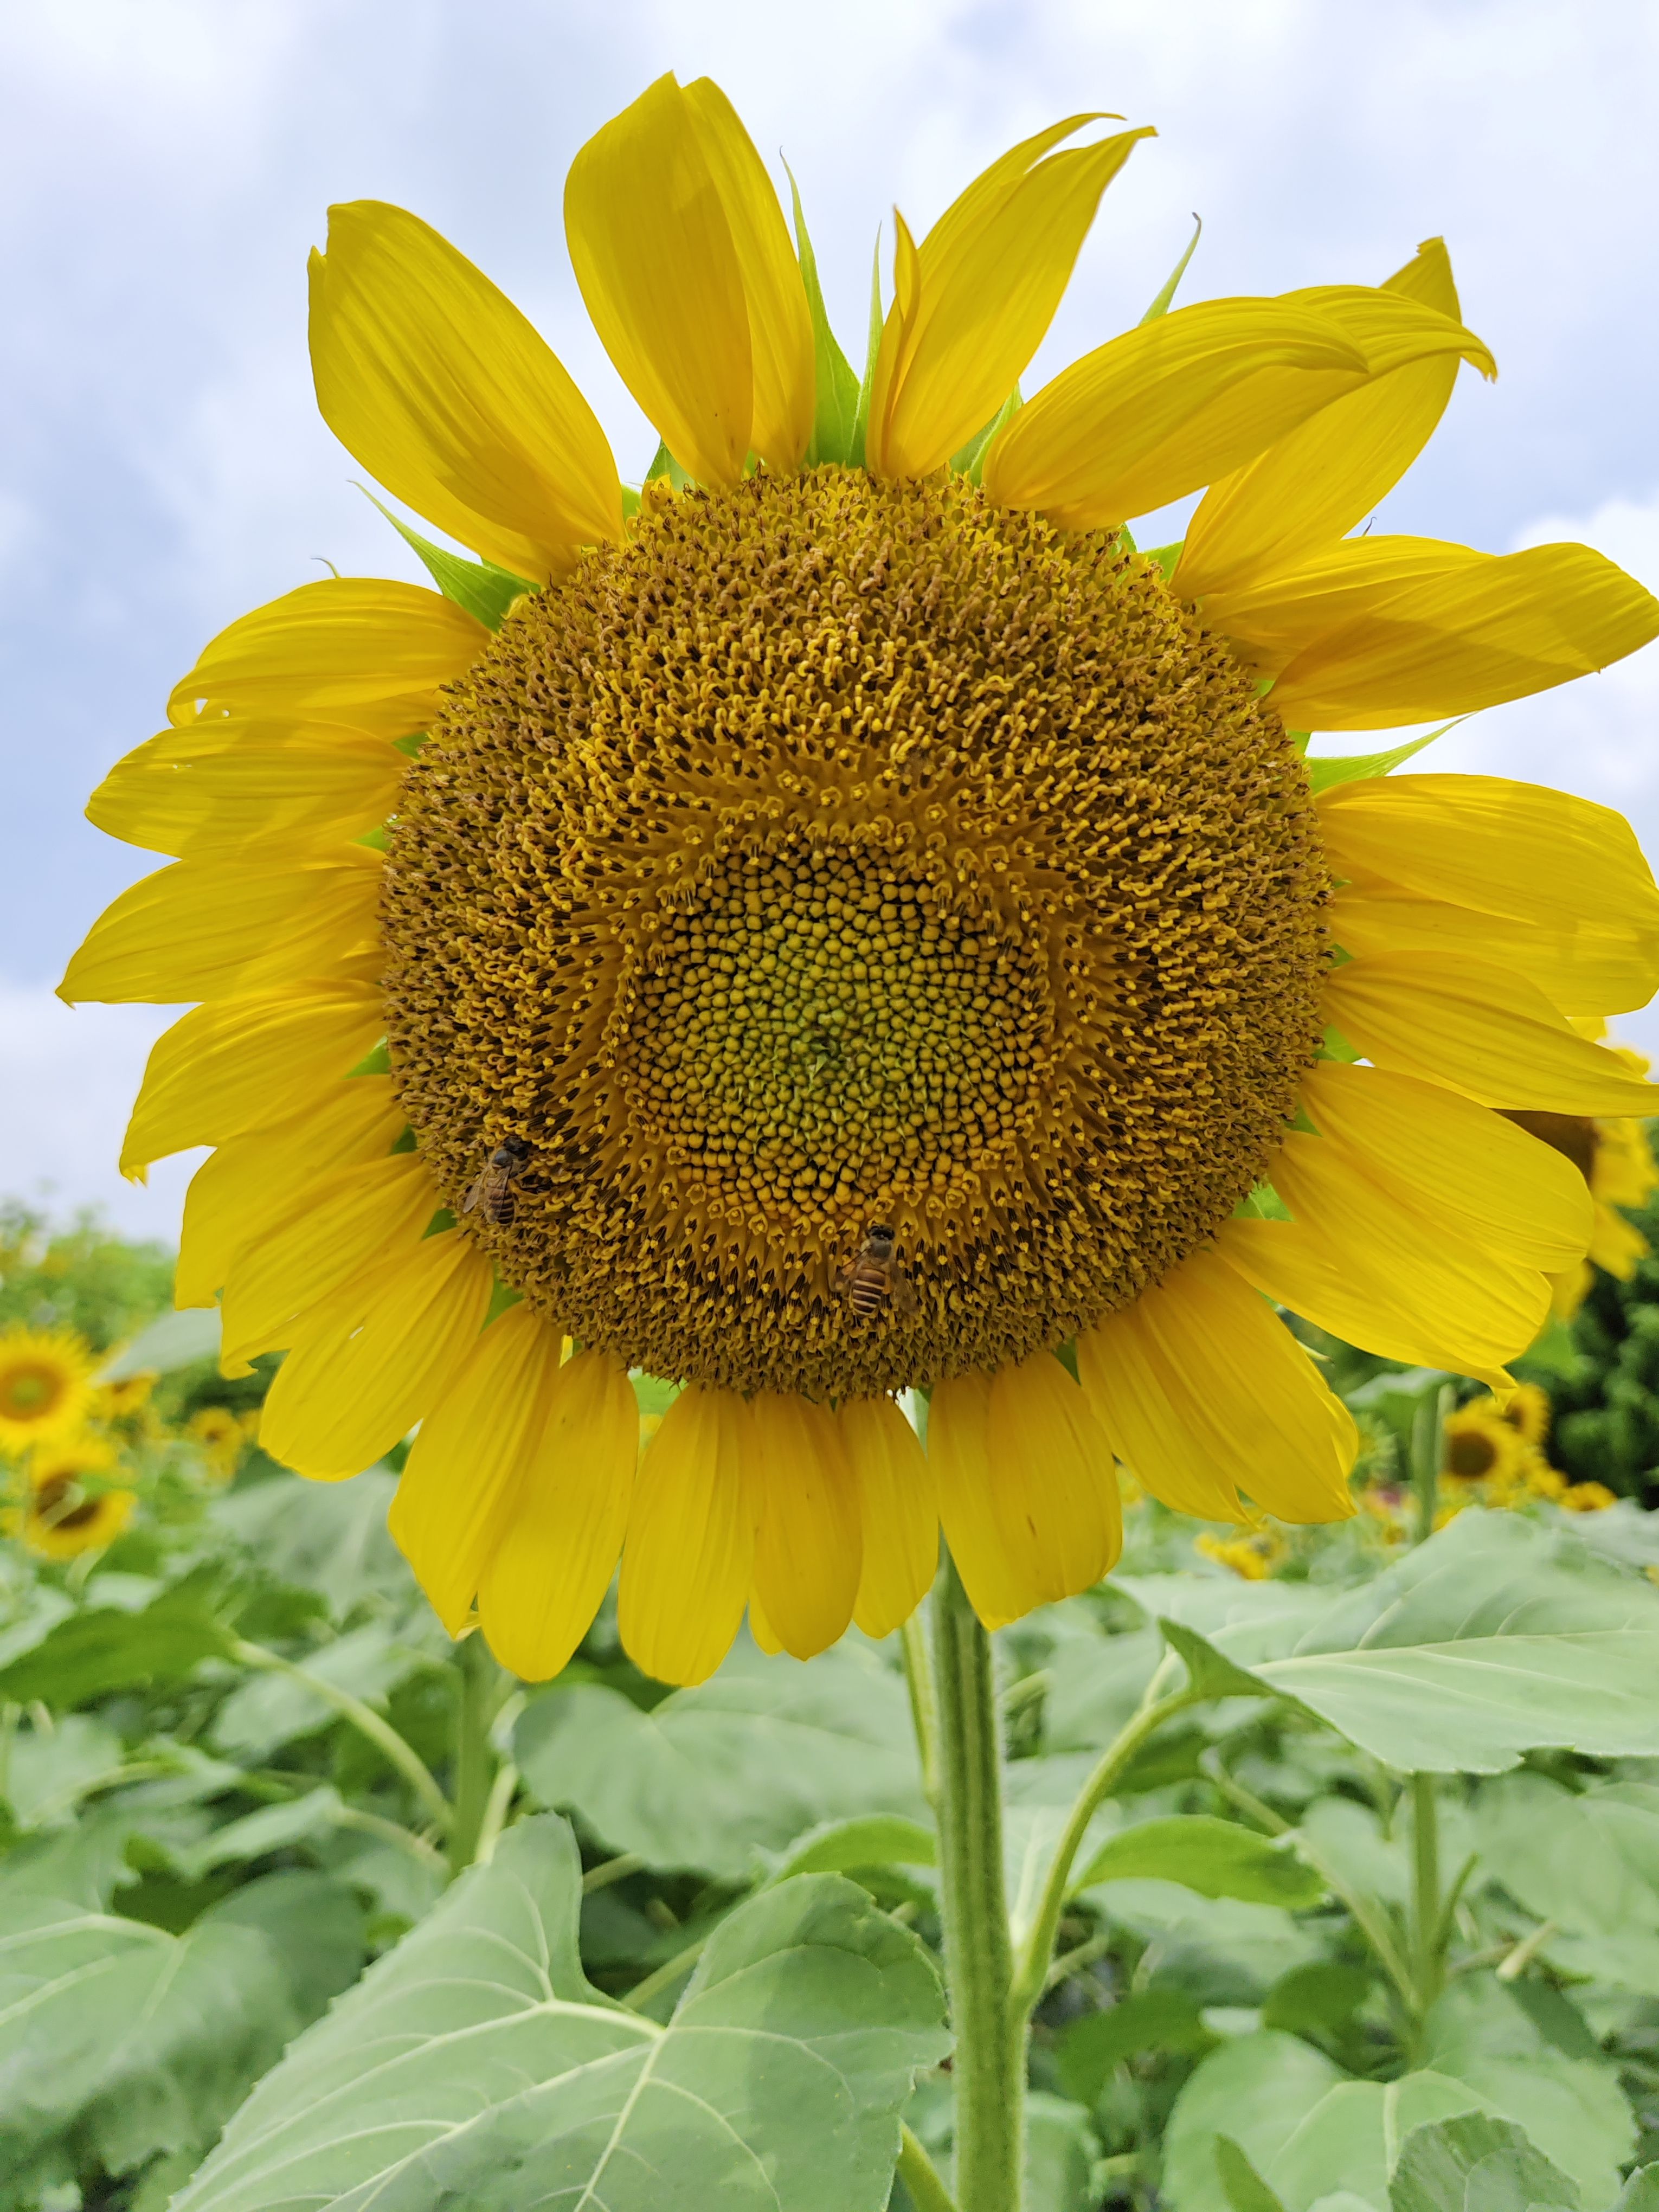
(1350, 768)
(405, 1141)
(630, 502)
(377, 1062)
(411, 744)
(482, 590)
(1161, 305)
(835, 409)
(1336, 1046)
(1165, 556)
(502, 1297)
(665, 465)
(970, 461)
(375, 839)
(861, 419)
(442, 1219)
(1261, 1203)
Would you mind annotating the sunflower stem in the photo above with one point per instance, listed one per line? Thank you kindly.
(1427, 1450)
(989, 2066)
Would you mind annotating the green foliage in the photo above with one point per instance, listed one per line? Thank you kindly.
(82, 1277)
(1604, 1377)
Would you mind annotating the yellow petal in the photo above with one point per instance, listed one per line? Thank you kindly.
(201, 928)
(455, 1501)
(255, 1182)
(1314, 485)
(1322, 1271)
(350, 1217)
(1482, 1030)
(370, 1360)
(899, 1510)
(780, 322)
(1165, 408)
(1476, 1304)
(766, 1637)
(808, 1546)
(1027, 1491)
(1204, 1388)
(689, 1556)
(1592, 964)
(1497, 1187)
(1516, 849)
(237, 1064)
(652, 245)
(433, 380)
(987, 279)
(548, 1575)
(355, 649)
(1383, 630)
(233, 782)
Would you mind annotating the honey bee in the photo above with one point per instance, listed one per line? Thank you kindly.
(492, 1192)
(872, 1282)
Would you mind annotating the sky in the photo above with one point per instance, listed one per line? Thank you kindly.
(164, 171)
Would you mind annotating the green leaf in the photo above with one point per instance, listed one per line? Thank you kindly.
(878, 1839)
(329, 1537)
(104, 1648)
(49, 1770)
(276, 1709)
(1256, 2090)
(174, 1340)
(1095, 1684)
(1218, 1858)
(764, 1751)
(485, 591)
(1479, 2160)
(1245, 2190)
(1061, 2149)
(1152, 2020)
(1324, 775)
(1641, 2192)
(1350, 2138)
(1320, 1998)
(256, 1835)
(473, 2065)
(1495, 1638)
(314, 1925)
(118, 2041)
(664, 465)
(1209, 1671)
(836, 409)
(1588, 1861)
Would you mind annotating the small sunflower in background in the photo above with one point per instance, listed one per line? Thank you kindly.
(841, 921)
(221, 1436)
(45, 1385)
(1254, 1558)
(1477, 1444)
(1616, 1160)
(70, 1505)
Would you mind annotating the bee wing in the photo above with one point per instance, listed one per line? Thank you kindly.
(904, 1294)
(474, 1197)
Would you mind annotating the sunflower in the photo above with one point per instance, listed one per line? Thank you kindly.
(45, 1385)
(67, 1510)
(221, 1436)
(1477, 1444)
(1616, 1160)
(840, 922)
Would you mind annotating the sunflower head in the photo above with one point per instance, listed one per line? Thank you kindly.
(45, 1385)
(70, 1506)
(1480, 1445)
(838, 923)
(221, 1436)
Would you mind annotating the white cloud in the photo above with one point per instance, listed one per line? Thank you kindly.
(71, 1075)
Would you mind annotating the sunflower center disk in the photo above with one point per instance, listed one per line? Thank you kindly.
(836, 855)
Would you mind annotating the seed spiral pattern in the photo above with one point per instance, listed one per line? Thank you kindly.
(834, 853)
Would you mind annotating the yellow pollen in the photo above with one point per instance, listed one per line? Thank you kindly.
(836, 854)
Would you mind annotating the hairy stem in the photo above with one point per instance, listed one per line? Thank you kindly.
(1427, 1450)
(989, 2067)
(1428, 1923)
(924, 1712)
(921, 2177)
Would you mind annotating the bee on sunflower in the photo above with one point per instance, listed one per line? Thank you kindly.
(842, 922)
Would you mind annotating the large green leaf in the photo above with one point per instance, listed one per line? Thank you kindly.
(174, 1340)
(765, 1750)
(1494, 1638)
(48, 1771)
(1257, 2090)
(1352, 2138)
(474, 2066)
(1218, 1858)
(118, 2041)
(1589, 1862)
(1475, 2160)
(102, 1648)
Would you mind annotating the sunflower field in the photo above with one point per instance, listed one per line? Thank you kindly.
(904, 1449)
